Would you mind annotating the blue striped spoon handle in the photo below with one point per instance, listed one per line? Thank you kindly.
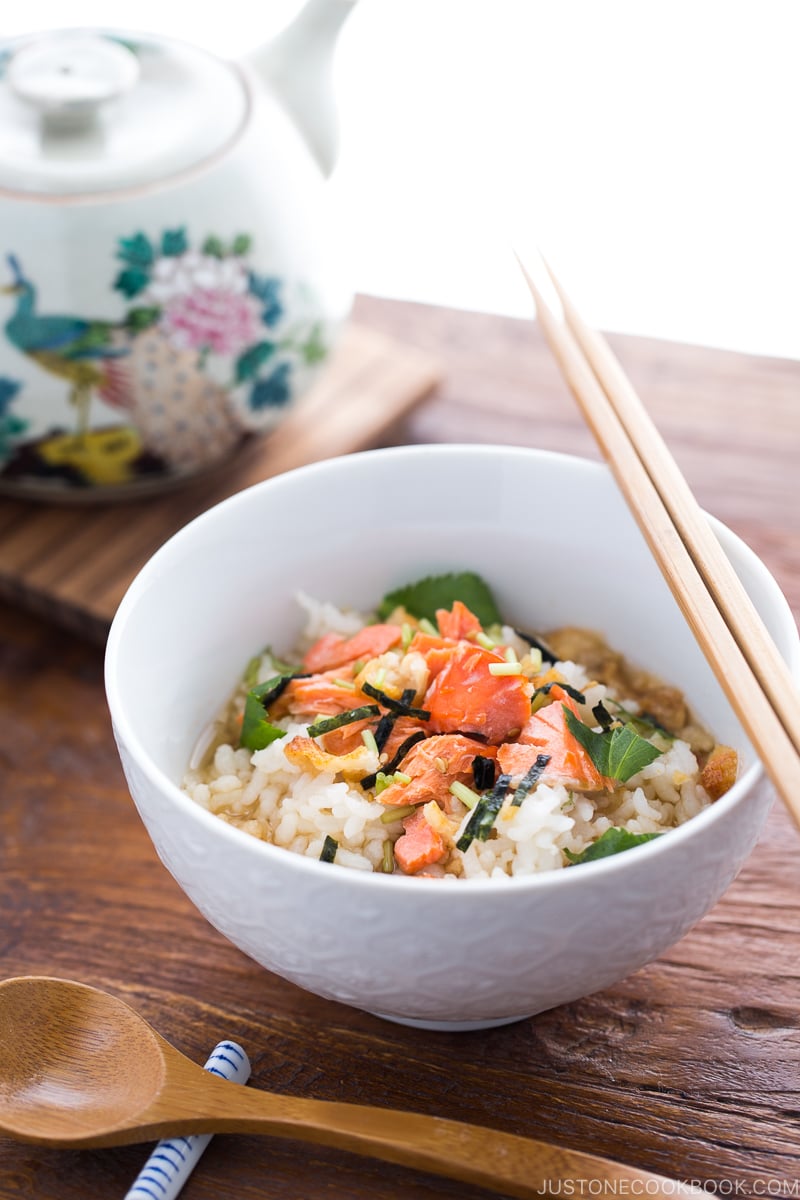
(174, 1159)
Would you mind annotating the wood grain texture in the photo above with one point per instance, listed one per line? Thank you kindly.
(690, 1067)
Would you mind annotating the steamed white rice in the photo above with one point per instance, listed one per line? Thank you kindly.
(266, 795)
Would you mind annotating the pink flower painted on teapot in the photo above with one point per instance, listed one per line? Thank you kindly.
(206, 302)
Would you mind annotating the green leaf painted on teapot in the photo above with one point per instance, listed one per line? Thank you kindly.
(131, 282)
(136, 250)
(183, 373)
(174, 242)
(213, 246)
(248, 363)
(142, 318)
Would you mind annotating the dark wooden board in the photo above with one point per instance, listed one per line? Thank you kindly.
(690, 1067)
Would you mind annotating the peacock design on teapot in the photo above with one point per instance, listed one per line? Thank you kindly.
(200, 358)
(169, 282)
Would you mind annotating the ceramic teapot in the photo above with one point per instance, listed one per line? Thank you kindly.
(168, 284)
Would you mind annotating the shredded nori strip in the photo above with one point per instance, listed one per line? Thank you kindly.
(602, 716)
(483, 772)
(643, 719)
(395, 706)
(386, 723)
(531, 776)
(269, 691)
(571, 691)
(345, 718)
(482, 818)
(647, 718)
(545, 651)
(329, 848)
(369, 780)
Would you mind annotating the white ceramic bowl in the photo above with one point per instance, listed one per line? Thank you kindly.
(553, 537)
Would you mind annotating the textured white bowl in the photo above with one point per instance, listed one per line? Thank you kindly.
(553, 537)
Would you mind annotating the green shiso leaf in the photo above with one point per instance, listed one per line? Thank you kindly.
(617, 753)
(613, 841)
(423, 598)
(257, 731)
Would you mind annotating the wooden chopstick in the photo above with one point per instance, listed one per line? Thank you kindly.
(732, 638)
(720, 578)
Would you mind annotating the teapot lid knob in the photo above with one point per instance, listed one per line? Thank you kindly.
(68, 76)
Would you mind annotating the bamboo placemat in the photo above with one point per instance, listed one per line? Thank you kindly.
(73, 563)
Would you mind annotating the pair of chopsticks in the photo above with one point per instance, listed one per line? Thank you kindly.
(710, 595)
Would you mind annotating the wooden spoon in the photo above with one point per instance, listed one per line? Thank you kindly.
(81, 1068)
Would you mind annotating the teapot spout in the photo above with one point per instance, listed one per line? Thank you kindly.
(297, 67)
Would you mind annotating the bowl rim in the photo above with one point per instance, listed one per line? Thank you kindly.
(191, 810)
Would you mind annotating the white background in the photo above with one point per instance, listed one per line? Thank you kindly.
(651, 147)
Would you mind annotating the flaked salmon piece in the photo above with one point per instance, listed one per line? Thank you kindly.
(719, 773)
(304, 752)
(458, 623)
(436, 651)
(317, 694)
(402, 729)
(466, 697)
(332, 650)
(433, 765)
(347, 737)
(419, 846)
(546, 732)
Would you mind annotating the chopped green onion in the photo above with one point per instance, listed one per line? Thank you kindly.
(358, 666)
(539, 700)
(328, 724)
(329, 848)
(484, 640)
(397, 814)
(382, 782)
(397, 706)
(347, 684)
(511, 654)
(399, 777)
(536, 659)
(380, 677)
(368, 738)
(369, 780)
(506, 668)
(428, 627)
(464, 794)
(387, 864)
(482, 818)
(407, 634)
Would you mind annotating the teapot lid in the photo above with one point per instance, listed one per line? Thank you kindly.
(86, 111)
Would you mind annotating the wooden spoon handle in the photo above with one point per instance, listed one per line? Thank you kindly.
(498, 1161)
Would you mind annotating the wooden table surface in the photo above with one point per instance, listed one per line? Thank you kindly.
(691, 1067)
